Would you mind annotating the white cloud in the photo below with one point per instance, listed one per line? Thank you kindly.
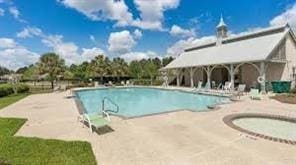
(178, 31)
(29, 32)
(177, 48)
(151, 11)
(7, 43)
(121, 42)
(2, 12)
(67, 50)
(102, 9)
(89, 54)
(289, 16)
(14, 12)
(13, 56)
(139, 55)
(138, 34)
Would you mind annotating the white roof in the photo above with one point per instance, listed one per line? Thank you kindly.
(242, 49)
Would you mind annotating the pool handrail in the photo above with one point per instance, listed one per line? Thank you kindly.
(112, 102)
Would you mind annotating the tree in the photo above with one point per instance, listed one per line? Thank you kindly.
(100, 66)
(52, 65)
(22, 70)
(135, 69)
(167, 60)
(151, 69)
(157, 62)
(82, 71)
(119, 67)
(4, 71)
(31, 73)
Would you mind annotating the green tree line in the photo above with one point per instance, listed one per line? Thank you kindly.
(51, 67)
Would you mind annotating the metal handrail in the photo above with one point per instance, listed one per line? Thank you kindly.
(112, 102)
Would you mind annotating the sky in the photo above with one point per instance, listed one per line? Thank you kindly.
(78, 30)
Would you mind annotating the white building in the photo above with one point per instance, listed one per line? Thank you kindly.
(269, 54)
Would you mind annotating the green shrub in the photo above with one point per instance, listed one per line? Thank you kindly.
(5, 89)
(22, 88)
(146, 82)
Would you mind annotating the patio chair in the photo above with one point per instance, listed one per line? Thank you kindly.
(220, 86)
(96, 120)
(255, 94)
(63, 87)
(240, 90)
(110, 83)
(199, 87)
(227, 86)
(127, 83)
(96, 83)
(122, 83)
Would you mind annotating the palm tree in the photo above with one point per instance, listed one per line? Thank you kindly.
(119, 67)
(100, 66)
(52, 65)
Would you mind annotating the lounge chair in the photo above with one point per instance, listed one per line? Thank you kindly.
(255, 95)
(63, 87)
(127, 83)
(57, 88)
(96, 120)
(96, 83)
(220, 86)
(240, 90)
(122, 83)
(227, 86)
(199, 87)
(110, 83)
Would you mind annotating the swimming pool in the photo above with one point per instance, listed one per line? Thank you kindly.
(135, 101)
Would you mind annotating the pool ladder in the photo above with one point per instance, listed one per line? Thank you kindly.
(112, 102)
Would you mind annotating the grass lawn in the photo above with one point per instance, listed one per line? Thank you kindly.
(22, 150)
(7, 100)
(31, 151)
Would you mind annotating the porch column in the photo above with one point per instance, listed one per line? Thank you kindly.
(232, 76)
(191, 77)
(178, 78)
(262, 74)
(208, 85)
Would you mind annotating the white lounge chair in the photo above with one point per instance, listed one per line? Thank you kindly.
(122, 83)
(127, 83)
(96, 120)
(240, 90)
(96, 84)
(227, 87)
(198, 88)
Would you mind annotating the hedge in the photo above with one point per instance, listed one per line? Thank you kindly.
(7, 89)
(146, 82)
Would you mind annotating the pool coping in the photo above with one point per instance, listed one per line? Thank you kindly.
(228, 120)
(81, 108)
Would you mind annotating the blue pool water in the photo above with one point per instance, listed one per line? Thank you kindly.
(144, 101)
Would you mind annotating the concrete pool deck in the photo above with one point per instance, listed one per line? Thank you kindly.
(182, 137)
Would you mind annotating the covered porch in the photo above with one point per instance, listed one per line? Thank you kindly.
(252, 74)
